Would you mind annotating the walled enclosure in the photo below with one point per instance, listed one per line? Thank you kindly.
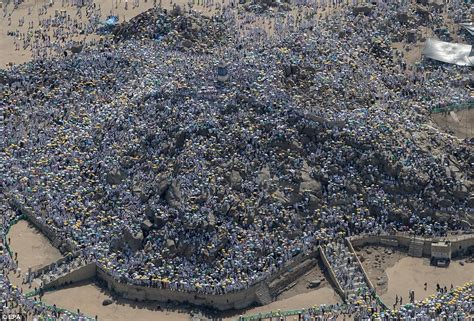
(460, 244)
(233, 300)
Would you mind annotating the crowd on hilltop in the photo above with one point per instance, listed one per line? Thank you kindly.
(167, 178)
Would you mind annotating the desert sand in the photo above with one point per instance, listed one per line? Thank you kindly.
(8, 54)
(33, 249)
(88, 299)
(411, 273)
(394, 273)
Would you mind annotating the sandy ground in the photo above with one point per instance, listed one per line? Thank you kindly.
(460, 124)
(376, 260)
(88, 299)
(411, 273)
(33, 248)
(396, 273)
(8, 54)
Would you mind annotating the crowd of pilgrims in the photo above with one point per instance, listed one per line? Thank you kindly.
(221, 184)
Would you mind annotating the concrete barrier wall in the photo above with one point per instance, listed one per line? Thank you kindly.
(459, 243)
(389, 242)
(83, 273)
(49, 267)
(234, 300)
(46, 268)
(332, 275)
(427, 247)
(359, 241)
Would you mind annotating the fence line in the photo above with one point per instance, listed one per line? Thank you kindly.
(448, 108)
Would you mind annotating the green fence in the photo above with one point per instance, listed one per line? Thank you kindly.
(380, 302)
(269, 315)
(453, 107)
(288, 313)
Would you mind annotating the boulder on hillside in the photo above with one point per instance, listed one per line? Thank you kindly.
(173, 195)
(133, 240)
(161, 184)
(115, 177)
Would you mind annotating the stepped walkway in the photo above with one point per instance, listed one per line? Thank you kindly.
(70, 269)
(415, 248)
(263, 294)
(347, 270)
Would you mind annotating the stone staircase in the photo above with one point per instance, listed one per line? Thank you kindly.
(282, 282)
(263, 294)
(416, 248)
(346, 269)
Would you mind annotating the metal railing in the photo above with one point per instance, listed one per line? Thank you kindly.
(453, 107)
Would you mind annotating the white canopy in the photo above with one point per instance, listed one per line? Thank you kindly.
(452, 53)
(469, 27)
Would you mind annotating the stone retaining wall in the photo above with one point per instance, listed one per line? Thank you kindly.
(289, 278)
(234, 300)
(83, 273)
(459, 243)
(63, 245)
(49, 267)
(332, 275)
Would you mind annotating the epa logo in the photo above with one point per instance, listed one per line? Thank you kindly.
(11, 317)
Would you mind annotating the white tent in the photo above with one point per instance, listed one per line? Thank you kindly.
(469, 27)
(452, 53)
